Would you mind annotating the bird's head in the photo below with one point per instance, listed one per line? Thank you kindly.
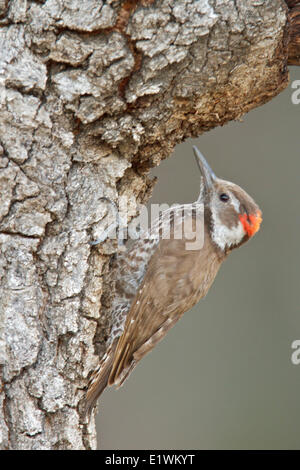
(232, 214)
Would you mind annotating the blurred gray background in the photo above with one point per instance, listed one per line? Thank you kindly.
(223, 377)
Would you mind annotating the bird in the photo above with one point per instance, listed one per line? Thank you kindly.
(160, 277)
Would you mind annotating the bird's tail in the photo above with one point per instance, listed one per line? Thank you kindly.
(99, 380)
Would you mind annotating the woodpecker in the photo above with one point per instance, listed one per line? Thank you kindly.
(159, 278)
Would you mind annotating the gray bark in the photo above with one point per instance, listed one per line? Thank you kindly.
(92, 95)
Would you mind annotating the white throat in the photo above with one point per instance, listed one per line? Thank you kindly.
(223, 236)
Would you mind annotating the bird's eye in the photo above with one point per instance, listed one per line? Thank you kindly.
(224, 197)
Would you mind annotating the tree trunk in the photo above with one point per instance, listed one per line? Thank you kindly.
(294, 32)
(92, 95)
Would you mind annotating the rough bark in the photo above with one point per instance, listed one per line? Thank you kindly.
(294, 32)
(92, 95)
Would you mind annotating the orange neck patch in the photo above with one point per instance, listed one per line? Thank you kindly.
(251, 223)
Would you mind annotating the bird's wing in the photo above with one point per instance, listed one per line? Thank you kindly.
(170, 287)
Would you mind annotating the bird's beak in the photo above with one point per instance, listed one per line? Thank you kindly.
(208, 175)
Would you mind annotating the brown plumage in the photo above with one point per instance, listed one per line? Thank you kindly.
(160, 279)
(173, 283)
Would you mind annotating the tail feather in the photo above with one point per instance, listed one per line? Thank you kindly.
(99, 381)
